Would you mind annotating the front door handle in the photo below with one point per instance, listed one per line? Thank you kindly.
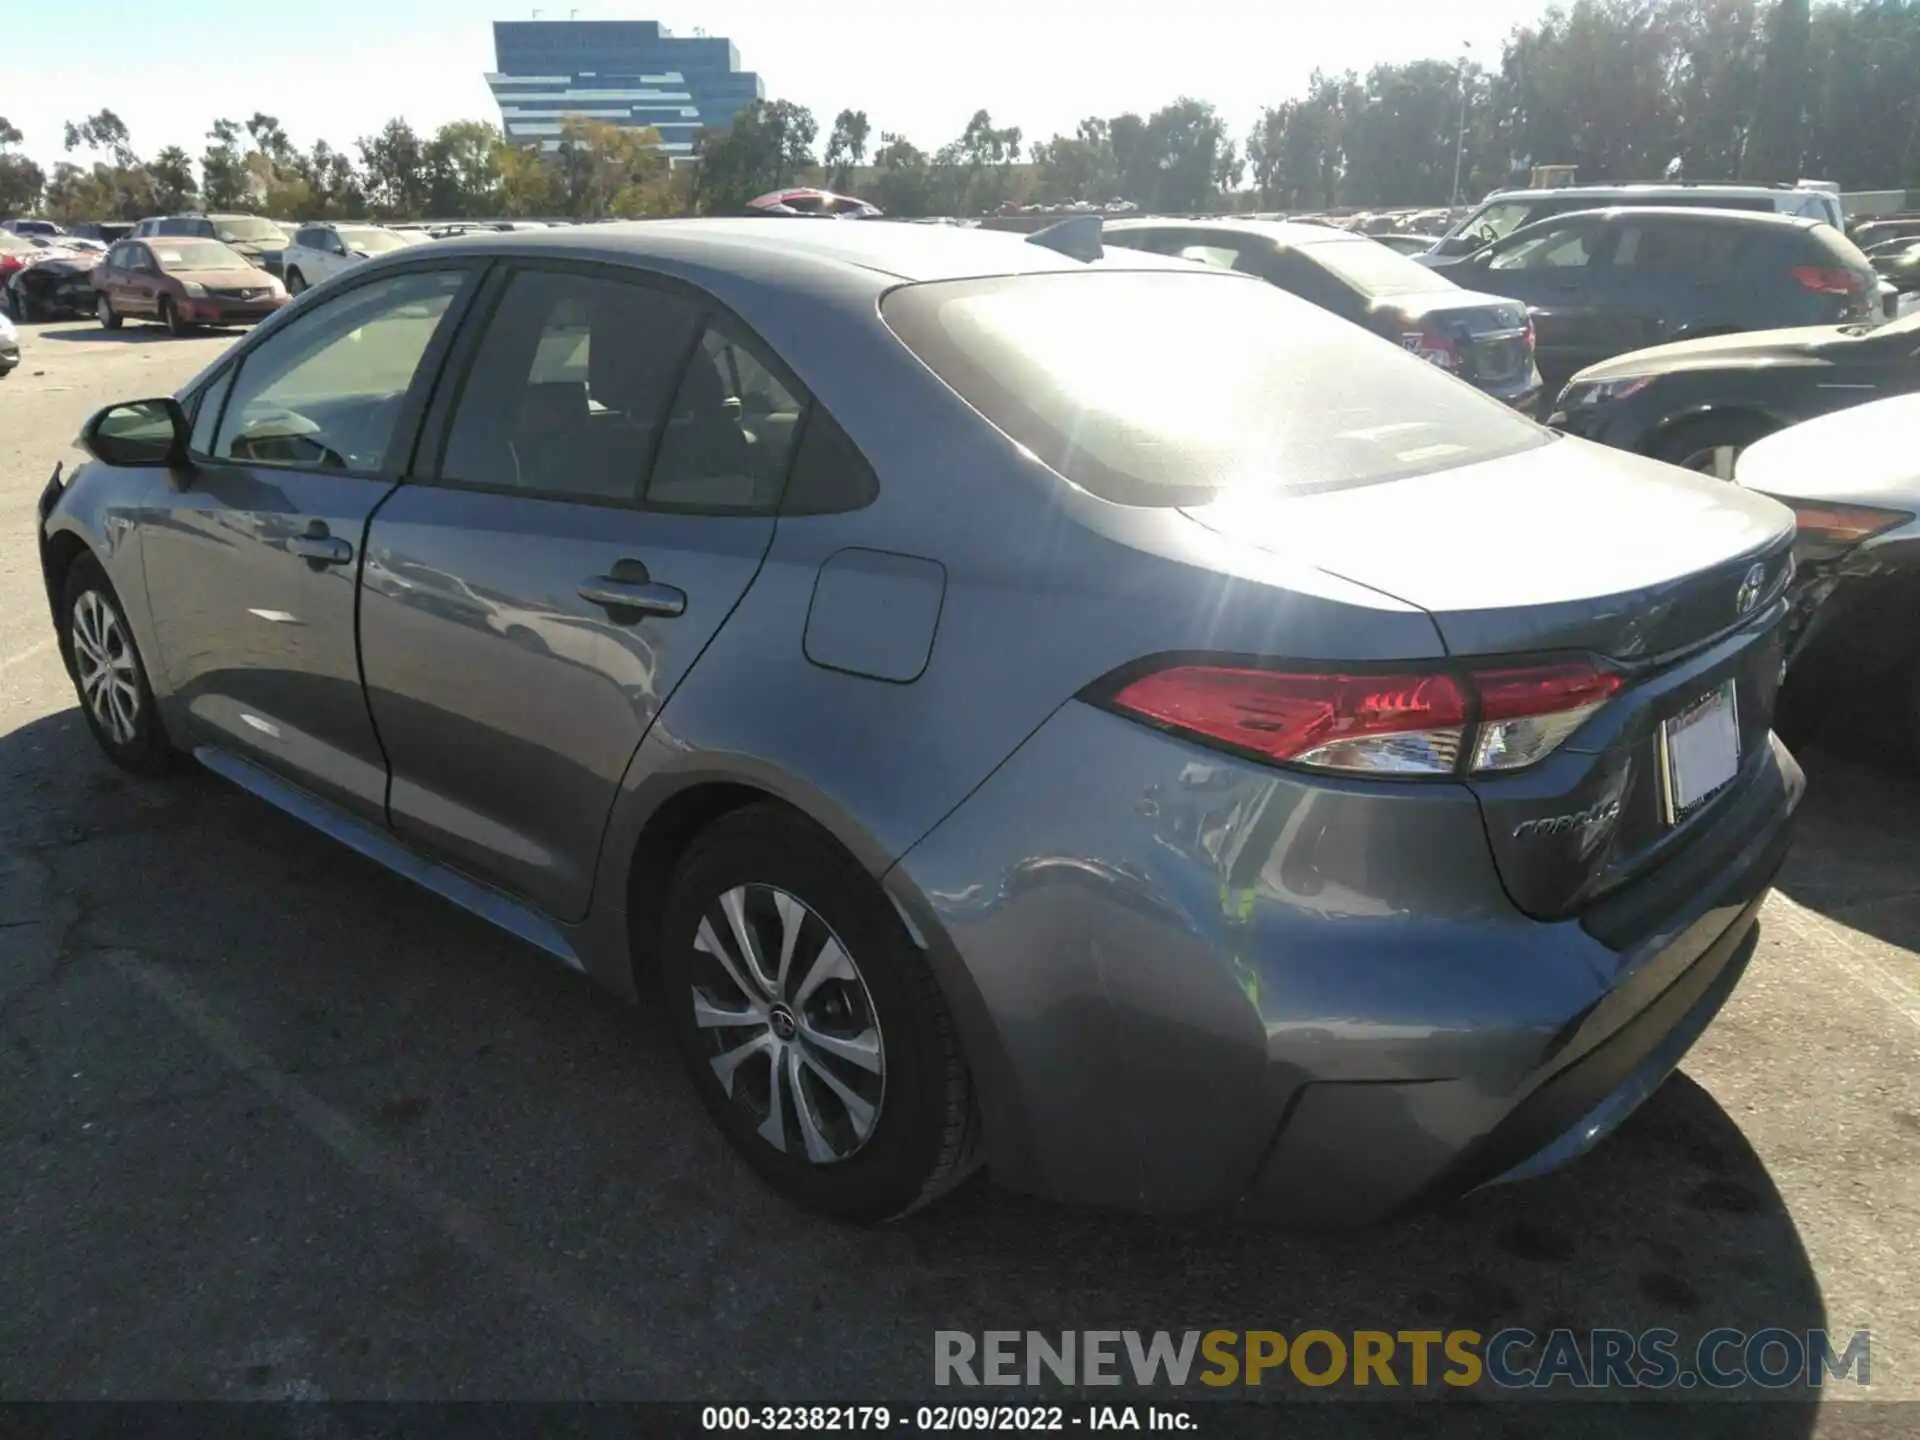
(641, 597)
(317, 547)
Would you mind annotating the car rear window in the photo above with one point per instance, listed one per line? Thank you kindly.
(1838, 249)
(1173, 388)
(1373, 269)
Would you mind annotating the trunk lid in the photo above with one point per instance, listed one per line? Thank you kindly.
(1562, 546)
(1677, 580)
(1487, 332)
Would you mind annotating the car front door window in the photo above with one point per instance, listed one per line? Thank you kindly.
(1558, 247)
(326, 392)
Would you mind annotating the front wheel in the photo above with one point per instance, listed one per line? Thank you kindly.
(170, 317)
(108, 316)
(1711, 444)
(296, 282)
(813, 1028)
(109, 675)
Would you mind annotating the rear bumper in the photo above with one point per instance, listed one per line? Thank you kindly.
(1186, 982)
(217, 312)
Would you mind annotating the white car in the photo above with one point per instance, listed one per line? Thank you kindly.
(324, 248)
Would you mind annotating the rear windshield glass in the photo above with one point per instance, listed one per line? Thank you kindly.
(1173, 389)
(373, 242)
(1372, 268)
(1843, 250)
(247, 229)
(196, 255)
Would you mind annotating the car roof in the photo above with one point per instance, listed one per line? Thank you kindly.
(1766, 219)
(1642, 188)
(1280, 233)
(898, 249)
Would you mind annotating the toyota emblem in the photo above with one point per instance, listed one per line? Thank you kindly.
(1749, 594)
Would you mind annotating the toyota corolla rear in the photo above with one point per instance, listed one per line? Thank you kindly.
(1406, 810)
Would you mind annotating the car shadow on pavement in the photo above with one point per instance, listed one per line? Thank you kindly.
(132, 333)
(259, 1087)
(1856, 854)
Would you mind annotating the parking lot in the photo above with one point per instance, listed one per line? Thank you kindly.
(280, 1125)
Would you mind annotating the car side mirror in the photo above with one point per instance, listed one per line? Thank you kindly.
(139, 434)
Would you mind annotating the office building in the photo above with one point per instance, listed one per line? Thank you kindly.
(624, 72)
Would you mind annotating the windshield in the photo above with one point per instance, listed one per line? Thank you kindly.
(1374, 269)
(248, 229)
(196, 255)
(1174, 389)
(372, 242)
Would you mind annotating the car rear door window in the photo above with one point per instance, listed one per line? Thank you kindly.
(1556, 247)
(1683, 248)
(730, 433)
(569, 387)
(325, 392)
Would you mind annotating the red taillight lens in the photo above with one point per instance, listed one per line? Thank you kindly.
(1829, 280)
(1833, 524)
(1438, 349)
(1530, 336)
(1405, 723)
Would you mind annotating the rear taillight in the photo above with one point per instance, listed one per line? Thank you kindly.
(1828, 280)
(1399, 723)
(1529, 333)
(1827, 523)
(1437, 349)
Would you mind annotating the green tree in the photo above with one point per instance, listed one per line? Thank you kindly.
(768, 147)
(610, 170)
(21, 181)
(395, 165)
(224, 177)
(1780, 124)
(846, 147)
(1080, 166)
(902, 178)
(463, 170)
(334, 188)
(528, 184)
(174, 187)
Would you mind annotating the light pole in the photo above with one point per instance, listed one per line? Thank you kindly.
(1460, 145)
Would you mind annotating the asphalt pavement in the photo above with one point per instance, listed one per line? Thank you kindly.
(275, 1124)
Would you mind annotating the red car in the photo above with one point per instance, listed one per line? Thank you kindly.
(182, 282)
(15, 255)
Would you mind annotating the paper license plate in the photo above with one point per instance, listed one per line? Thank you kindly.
(1700, 748)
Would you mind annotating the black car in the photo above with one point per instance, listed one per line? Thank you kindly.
(59, 285)
(1484, 339)
(1601, 283)
(1699, 404)
(260, 240)
(105, 231)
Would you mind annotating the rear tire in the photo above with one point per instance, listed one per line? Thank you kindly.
(1711, 445)
(109, 675)
(110, 318)
(841, 1080)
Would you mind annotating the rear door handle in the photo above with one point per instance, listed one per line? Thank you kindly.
(320, 548)
(644, 597)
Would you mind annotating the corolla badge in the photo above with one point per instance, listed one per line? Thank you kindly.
(1598, 814)
(1748, 595)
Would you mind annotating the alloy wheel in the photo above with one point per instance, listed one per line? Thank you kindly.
(1714, 460)
(104, 664)
(792, 1029)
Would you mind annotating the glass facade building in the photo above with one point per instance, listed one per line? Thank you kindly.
(624, 72)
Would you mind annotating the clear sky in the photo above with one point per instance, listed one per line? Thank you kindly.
(338, 69)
